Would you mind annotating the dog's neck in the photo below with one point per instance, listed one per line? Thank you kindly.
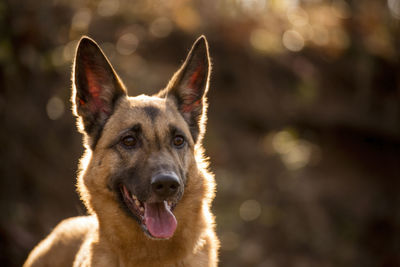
(133, 247)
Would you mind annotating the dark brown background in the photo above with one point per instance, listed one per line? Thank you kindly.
(304, 119)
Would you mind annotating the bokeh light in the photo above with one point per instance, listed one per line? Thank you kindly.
(108, 8)
(292, 40)
(394, 6)
(81, 20)
(295, 153)
(161, 27)
(55, 108)
(297, 16)
(265, 41)
(127, 44)
(341, 9)
(250, 210)
(252, 6)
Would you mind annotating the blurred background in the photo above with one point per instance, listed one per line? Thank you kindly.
(303, 129)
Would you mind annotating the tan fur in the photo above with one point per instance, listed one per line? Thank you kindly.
(109, 237)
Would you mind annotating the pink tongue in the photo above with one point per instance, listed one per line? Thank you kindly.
(159, 220)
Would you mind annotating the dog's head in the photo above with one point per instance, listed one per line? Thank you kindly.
(140, 149)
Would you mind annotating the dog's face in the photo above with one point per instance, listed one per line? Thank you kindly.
(143, 147)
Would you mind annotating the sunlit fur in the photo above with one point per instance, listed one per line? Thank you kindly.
(108, 236)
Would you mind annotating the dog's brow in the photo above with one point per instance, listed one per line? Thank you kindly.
(151, 111)
(175, 130)
(136, 128)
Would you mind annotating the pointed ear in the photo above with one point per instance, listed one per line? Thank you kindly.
(96, 88)
(188, 87)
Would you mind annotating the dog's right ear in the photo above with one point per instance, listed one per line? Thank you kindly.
(96, 88)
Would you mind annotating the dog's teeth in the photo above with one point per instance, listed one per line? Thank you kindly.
(137, 202)
(134, 197)
(141, 209)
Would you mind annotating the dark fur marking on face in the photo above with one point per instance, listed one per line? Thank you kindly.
(123, 178)
(175, 131)
(195, 130)
(94, 130)
(136, 129)
(193, 123)
(152, 112)
(157, 142)
(133, 178)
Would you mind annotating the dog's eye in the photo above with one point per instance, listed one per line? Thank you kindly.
(179, 141)
(129, 141)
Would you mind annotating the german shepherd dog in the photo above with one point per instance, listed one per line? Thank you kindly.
(143, 177)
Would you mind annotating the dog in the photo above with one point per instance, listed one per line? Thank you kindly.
(143, 177)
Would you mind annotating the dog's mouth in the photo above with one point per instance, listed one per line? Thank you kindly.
(155, 218)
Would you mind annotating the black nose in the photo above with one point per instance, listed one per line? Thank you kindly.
(165, 185)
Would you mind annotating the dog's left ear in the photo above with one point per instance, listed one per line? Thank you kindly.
(188, 87)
